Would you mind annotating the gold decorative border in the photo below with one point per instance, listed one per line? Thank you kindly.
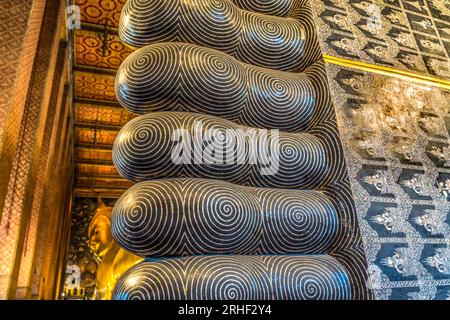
(387, 71)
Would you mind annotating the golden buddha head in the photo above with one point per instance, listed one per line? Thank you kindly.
(100, 237)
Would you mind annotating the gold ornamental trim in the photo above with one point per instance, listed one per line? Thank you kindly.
(391, 72)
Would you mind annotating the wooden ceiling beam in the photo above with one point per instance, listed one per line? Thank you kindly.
(95, 162)
(98, 70)
(103, 183)
(98, 28)
(86, 125)
(100, 176)
(106, 103)
(104, 192)
(101, 189)
(103, 195)
(91, 194)
(102, 186)
(93, 146)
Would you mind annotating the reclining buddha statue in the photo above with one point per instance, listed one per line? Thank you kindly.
(114, 261)
(207, 74)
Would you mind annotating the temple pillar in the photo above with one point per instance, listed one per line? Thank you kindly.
(25, 137)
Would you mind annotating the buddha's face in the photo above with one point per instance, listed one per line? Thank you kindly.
(100, 237)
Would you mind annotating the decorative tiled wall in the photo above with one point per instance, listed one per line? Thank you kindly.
(401, 188)
(410, 35)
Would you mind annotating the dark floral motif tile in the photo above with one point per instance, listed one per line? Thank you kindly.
(428, 222)
(420, 24)
(387, 219)
(414, 293)
(435, 258)
(444, 30)
(443, 293)
(440, 9)
(418, 6)
(375, 180)
(406, 34)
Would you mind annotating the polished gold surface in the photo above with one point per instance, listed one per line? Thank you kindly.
(391, 72)
(114, 261)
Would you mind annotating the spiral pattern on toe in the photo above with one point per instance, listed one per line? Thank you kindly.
(175, 217)
(227, 278)
(297, 221)
(145, 147)
(308, 278)
(280, 8)
(185, 77)
(236, 278)
(255, 38)
(162, 280)
(302, 163)
(149, 20)
(279, 42)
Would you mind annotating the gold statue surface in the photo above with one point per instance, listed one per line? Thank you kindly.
(114, 261)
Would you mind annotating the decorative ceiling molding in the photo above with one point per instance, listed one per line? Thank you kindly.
(103, 115)
(102, 183)
(94, 86)
(97, 113)
(93, 136)
(96, 12)
(89, 50)
(98, 154)
(95, 169)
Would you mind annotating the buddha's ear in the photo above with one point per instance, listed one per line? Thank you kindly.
(100, 202)
(91, 227)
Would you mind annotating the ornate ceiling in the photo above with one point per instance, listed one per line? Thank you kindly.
(98, 115)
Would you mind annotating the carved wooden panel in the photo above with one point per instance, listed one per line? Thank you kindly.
(89, 50)
(97, 12)
(106, 115)
(96, 170)
(92, 136)
(94, 86)
(93, 154)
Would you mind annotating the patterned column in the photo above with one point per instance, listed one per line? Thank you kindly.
(52, 208)
(22, 174)
(19, 34)
(57, 103)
